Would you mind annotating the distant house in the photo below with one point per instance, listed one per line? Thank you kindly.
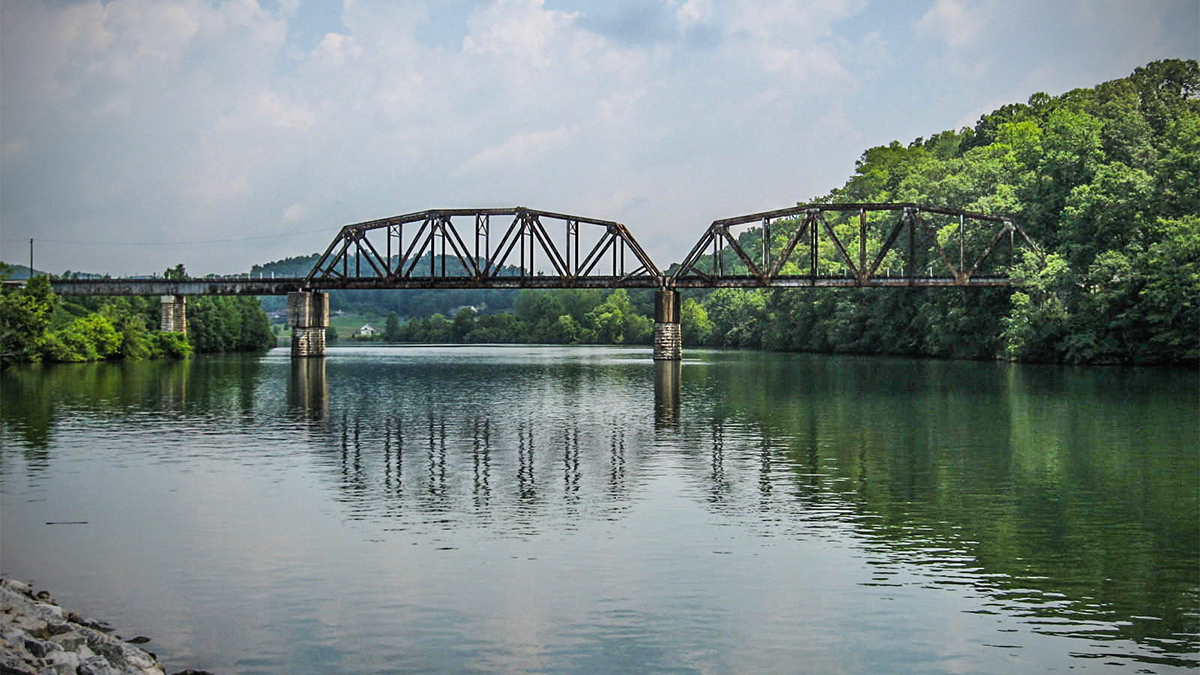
(366, 331)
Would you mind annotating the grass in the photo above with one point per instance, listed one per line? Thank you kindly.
(348, 324)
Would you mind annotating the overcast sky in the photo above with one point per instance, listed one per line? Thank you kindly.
(192, 121)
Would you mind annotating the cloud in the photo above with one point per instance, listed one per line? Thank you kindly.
(693, 12)
(521, 28)
(162, 118)
(516, 152)
(952, 22)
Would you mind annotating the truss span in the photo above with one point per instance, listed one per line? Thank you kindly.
(485, 248)
(840, 245)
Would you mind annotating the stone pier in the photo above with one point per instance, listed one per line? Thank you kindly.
(308, 315)
(668, 337)
(173, 316)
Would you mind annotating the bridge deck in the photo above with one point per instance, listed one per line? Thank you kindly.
(283, 286)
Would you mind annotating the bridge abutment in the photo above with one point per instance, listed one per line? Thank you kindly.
(173, 314)
(668, 335)
(308, 315)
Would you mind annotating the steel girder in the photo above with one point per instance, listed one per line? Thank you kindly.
(534, 249)
(789, 253)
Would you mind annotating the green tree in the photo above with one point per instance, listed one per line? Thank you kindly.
(697, 327)
(24, 316)
(391, 331)
(737, 316)
(567, 330)
(464, 323)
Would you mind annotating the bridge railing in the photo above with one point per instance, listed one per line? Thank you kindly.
(854, 245)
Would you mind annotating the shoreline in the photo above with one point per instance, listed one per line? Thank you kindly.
(39, 637)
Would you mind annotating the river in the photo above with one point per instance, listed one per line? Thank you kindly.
(586, 510)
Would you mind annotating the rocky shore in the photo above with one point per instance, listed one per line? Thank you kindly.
(37, 637)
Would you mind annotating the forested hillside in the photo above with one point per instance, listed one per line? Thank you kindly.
(1106, 180)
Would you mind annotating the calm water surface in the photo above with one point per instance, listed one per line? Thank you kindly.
(585, 510)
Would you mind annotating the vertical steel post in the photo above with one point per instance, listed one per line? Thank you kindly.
(961, 245)
(862, 246)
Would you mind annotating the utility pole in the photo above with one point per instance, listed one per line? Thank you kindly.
(31, 257)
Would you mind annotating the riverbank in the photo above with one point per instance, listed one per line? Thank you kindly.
(38, 637)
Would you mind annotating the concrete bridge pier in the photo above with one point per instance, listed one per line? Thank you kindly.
(668, 336)
(308, 315)
(173, 315)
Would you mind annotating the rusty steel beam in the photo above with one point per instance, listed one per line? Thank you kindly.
(808, 227)
(206, 286)
(745, 281)
(527, 249)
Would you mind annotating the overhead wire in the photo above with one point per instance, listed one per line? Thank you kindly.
(160, 243)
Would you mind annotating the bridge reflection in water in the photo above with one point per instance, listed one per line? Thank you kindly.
(448, 458)
(459, 448)
(426, 452)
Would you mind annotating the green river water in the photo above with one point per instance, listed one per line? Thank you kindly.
(586, 510)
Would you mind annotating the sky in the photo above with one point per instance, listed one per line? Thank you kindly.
(139, 134)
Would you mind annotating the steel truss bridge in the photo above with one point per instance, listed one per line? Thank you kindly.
(809, 245)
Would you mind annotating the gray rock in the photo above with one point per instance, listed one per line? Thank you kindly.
(95, 665)
(68, 660)
(39, 648)
(18, 586)
(11, 664)
(96, 624)
(47, 612)
(71, 641)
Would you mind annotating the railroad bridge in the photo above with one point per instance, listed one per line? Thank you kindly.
(899, 245)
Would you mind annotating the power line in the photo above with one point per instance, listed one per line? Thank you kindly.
(161, 243)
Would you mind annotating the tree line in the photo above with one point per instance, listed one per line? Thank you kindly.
(568, 316)
(38, 325)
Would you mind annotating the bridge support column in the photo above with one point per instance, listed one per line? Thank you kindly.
(173, 315)
(308, 315)
(668, 336)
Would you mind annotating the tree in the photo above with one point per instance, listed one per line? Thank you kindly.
(567, 330)
(464, 323)
(391, 331)
(696, 326)
(24, 316)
